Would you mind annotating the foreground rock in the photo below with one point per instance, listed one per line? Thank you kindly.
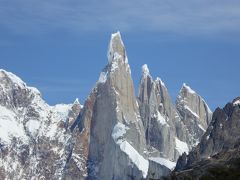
(219, 147)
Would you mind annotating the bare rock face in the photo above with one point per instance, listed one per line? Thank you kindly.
(35, 140)
(221, 135)
(194, 113)
(111, 119)
(160, 118)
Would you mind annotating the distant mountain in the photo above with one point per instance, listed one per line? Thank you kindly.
(35, 138)
(115, 135)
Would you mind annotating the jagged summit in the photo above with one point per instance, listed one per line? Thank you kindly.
(116, 48)
(187, 88)
(236, 101)
(117, 60)
(194, 112)
(76, 101)
(159, 80)
(11, 77)
(145, 70)
(13, 82)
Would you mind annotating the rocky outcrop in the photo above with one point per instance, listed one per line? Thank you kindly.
(194, 112)
(221, 135)
(223, 165)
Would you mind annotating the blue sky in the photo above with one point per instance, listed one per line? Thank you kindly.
(60, 46)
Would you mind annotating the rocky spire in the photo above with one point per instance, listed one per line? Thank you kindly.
(194, 111)
(112, 119)
(116, 48)
(145, 85)
(160, 118)
(145, 70)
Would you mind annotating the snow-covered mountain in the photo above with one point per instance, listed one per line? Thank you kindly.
(115, 135)
(35, 139)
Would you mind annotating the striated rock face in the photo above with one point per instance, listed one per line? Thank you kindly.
(221, 135)
(161, 121)
(194, 113)
(111, 118)
(35, 139)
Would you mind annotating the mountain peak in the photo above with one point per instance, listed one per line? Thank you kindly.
(158, 79)
(11, 77)
(116, 48)
(236, 101)
(76, 101)
(145, 70)
(187, 88)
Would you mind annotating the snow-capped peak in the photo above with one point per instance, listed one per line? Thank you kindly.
(236, 101)
(116, 48)
(158, 79)
(185, 86)
(16, 80)
(76, 101)
(9, 81)
(145, 69)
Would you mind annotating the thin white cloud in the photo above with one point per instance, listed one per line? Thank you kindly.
(188, 16)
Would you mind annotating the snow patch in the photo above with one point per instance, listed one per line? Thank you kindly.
(62, 110)
(79, 160)
(165, 162)
(200, 126)
(237, 102)
(33, 126)
(188, 88)
(207, 137)
(76, 101)
(181, 146)
(189, 109)
(114, 64)
(119, 131)
(102, 77)
(161, 119)
(158, 79)
(221, 125)
(145, 69)
(141, 163)
(9, 126)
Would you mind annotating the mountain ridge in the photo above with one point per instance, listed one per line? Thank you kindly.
(114, 135)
